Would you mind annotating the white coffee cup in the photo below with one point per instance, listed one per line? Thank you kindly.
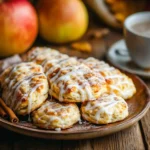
(138, 39)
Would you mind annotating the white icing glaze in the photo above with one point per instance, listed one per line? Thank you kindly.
(62, 62)
(14, 85)
(30, 96)
(15, 88)
(45, 54)
(42, 53)
(54, 107)
(79, 82)
(104, 104)
(57, 129)
(119, 81)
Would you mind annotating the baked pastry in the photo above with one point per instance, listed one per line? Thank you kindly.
(55, 115)
(118, 83)
(68, 79)
(49, 58)
(52, 61)
(55, 64)
(75, 83)
(24, 87)
(107, 109)
(41, 55)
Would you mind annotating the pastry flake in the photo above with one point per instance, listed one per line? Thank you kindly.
(55, 115)
(24, 87)
(107, 109)
(117, 82)
(41, 55)
(76, 83)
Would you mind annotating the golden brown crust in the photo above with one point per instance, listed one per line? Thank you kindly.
(24, 86)
(108, 109)
(41, 54)
(53, 62)
(56, 115)
(76, 83)
(117, 82)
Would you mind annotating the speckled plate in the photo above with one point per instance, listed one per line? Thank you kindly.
(119, 57)
(138, 106)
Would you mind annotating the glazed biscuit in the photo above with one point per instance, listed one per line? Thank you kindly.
(41, 55)
(75, 83)
(55, 115)
(53, 65)
(107, 109)
(118, 82)
(24, 87)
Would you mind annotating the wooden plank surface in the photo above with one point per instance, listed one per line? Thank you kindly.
(129, 139)
(77, 145)
(28, 143)
(145, 126)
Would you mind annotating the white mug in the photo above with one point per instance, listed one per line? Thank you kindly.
(138, 44)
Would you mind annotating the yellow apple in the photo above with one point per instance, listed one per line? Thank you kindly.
(62, 21)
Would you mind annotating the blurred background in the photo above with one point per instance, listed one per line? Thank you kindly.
(80, 28)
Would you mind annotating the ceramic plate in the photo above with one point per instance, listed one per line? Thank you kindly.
(138, 106)
(119, 57)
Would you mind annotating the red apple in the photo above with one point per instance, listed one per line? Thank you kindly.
(62, 21)
(18, 26)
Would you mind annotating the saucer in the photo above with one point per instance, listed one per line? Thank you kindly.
(118, 56)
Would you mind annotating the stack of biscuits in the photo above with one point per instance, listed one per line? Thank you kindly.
(57, 89)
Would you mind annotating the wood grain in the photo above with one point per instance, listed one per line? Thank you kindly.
(145, 126)
(129, 139)
(28, 143)
(77, 145)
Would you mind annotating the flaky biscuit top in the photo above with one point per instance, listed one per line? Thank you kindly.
(117, 82)
(41, 55)
(23, 83)
(107, 109)
(76, 83)
(55, 115)
(55, 64)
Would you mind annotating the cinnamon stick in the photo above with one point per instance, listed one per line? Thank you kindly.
(2, 112)
(12, 116)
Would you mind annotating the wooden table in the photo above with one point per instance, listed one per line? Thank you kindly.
(136, 137)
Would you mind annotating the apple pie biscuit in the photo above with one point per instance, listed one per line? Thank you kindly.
(41, 55)
(24, 87)
(75, 83)
(107, 109)
(118, 83)
(55, 115)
